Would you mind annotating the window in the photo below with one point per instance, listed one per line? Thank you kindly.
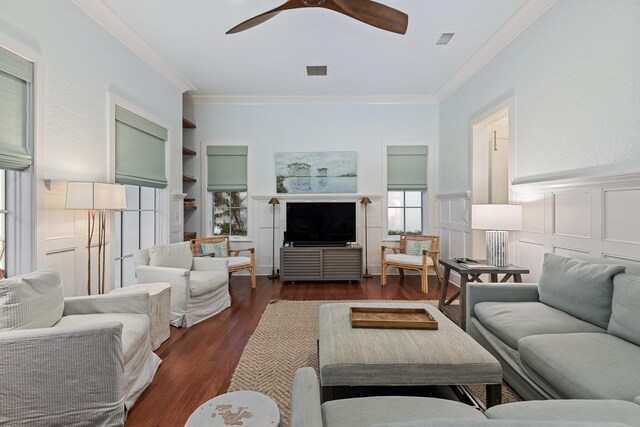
(16, 142)
(135, 228)
(406, 189)
(227, 186)
(140, 166)
(404, 212)
(230, 213)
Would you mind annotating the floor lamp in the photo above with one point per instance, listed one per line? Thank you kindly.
(96, 197)
(366, 201)
(273, 202)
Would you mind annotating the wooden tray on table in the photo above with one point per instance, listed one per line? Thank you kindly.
(391, 318)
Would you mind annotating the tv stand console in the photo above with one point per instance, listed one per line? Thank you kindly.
(321, 263)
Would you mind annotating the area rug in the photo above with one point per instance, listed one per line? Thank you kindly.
(285, 340)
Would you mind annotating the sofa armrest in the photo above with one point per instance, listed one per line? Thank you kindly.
(79, 369)
(111, 303)
(305, 399)
(499, 292)
(211, 264)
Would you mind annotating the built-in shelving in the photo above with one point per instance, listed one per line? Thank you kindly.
(188, 179)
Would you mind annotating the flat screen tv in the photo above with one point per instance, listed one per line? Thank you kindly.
(321, 224)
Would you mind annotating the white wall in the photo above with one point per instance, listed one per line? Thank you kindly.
(573, 77)
(80, 68)
(268, 129)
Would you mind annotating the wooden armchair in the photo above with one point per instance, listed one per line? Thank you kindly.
(236, 262)
(419, 253)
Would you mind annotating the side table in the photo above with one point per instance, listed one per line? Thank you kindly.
(468, 273)
(159, 308)
(238, 408)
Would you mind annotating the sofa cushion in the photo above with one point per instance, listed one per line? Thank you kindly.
(453, 422)
(204, 282)
(569, 410)
(511, 321)
(176, 255)
(581, 289)
(625, 308)
(32, 300)
(583, 366)
(134, 328)
(364, 412)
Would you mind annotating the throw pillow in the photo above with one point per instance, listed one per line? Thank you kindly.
(625, 322)
(32, 300)
(176, 255)
(415, 247)
(219, 250)
(579, 288)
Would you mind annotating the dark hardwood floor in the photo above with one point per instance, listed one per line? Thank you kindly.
(198, 362)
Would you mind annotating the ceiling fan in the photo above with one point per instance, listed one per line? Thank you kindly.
(367, 11)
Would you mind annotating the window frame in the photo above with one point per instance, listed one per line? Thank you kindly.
(23, 231)
(120, 240)
(404, 207)
(207, 218)
(246, 208)
(428, 200)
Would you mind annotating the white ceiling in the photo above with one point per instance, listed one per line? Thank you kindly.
(270, 59)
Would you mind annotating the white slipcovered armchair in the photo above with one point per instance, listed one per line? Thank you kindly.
(199, 286)
(70, 361)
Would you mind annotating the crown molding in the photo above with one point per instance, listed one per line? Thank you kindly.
(524, 17)
(111, 22)
(312, 100)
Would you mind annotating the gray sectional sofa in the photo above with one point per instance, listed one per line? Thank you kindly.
(398, 411)
(574, 335)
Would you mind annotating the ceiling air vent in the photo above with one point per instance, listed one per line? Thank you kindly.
(444, 38)
(316, 70)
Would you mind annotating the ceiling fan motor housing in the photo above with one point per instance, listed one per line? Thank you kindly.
(312, 3)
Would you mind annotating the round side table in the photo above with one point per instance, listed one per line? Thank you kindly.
(238, 408)
(159, 308)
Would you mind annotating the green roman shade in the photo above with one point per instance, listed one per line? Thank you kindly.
(140, 150)
(16, 77)
(407, 167)
(227, 168)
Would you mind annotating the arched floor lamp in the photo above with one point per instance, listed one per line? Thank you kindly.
(366, 201)
(273, 202)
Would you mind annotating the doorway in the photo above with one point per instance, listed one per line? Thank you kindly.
(490, 166)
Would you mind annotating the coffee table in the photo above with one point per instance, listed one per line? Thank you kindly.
(355, 357)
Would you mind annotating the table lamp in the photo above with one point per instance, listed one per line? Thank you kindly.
(497, 220)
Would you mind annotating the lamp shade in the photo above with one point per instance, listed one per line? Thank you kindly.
(274, 201)
(496, 217)
(109, 196)
(79, 195)
(365, 201)
(95, 195)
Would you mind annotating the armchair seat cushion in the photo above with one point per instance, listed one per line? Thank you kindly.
(204, 282)
(407, 259)
(134, 328)
(511, 321)
(239, 261)
(583, 366)
(368, 411)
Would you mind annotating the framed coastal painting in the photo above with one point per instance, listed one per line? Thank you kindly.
(317, 172)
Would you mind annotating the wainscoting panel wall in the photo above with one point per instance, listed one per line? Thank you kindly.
(588, 217)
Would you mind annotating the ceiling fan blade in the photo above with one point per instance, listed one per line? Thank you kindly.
(259, 19)
(372, 13)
